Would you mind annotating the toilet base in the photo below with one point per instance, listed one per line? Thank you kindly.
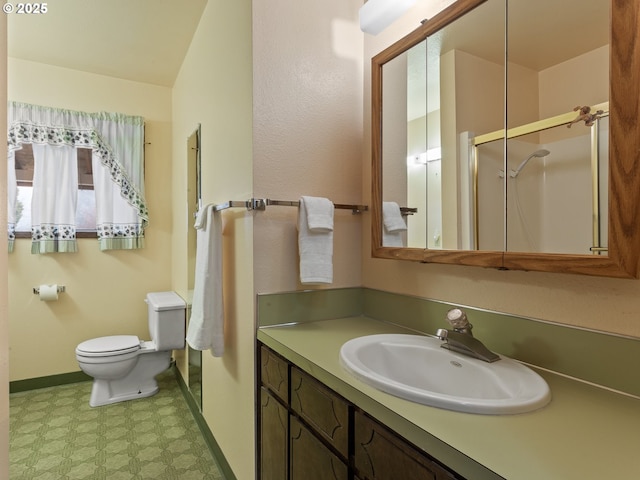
(101, 393)
(139, 383)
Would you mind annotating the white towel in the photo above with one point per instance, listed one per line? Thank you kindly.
(206, 324)
(315, 240)
(394, 225)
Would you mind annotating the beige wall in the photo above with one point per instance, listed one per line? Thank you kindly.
(4, 323)
(104, 291)
(213, 88)
(307, 60)
(305, 108)
(605, 304)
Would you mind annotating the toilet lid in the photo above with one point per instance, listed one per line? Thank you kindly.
(113, 345)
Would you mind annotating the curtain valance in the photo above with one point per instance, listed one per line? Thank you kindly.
(117, 144)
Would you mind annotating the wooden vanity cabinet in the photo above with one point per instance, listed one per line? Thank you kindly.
(274, 374)
(310, 459)
(274, 433)
(321, 450)
(381, 454)
(325, 412)
(273, 424)
(308, 432)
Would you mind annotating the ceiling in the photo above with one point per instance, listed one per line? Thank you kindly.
(140, 40)
(541, 34)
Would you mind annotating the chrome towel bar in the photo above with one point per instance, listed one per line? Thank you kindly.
(262, 203)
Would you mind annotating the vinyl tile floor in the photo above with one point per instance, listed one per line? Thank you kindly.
(56, 435)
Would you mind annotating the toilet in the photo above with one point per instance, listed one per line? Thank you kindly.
(124, 367)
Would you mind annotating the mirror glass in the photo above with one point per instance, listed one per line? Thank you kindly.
(436, 97)
(557, 150)
(194, 199)
(538, 186)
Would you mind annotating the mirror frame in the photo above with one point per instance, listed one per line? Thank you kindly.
(623, 256)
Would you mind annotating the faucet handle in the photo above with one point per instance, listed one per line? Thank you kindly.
(458, 320)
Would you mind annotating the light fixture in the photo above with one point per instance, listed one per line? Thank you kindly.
(423, 158)
(376, 15)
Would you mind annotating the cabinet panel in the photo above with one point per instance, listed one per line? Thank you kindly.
(318, 435)
(323, 410)
(381, 455)
(274, 373)
(310, 459)
(273, 437)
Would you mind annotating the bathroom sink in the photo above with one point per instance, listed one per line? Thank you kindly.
(416, 368)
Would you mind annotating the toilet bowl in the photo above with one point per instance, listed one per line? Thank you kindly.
(124, 367)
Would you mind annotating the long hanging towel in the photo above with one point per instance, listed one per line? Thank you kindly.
(206, 324)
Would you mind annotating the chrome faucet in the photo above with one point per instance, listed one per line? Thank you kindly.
(461, 340)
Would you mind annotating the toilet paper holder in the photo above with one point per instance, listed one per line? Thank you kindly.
(60, 289)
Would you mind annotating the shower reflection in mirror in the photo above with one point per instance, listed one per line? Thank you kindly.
(557, 195)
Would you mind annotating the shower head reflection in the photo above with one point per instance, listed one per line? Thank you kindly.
(537, 154)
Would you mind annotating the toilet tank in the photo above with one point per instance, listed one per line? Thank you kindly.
(167, 319)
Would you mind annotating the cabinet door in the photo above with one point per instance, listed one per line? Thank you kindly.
(274, 374)
(324, 411)
(310, 459)
(381, 455)
(273, 438)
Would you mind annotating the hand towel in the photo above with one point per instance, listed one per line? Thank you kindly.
(315, 240)
(206, 324)
(393, 225)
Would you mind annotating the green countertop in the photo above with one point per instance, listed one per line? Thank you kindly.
(585, 433)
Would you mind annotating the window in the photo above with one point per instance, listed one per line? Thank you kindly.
(86, 211)
(111, 169)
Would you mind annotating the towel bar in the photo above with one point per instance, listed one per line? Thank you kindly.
(408, 210)
(262, 203)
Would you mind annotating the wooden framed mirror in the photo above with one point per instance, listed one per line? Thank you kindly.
(614, 249)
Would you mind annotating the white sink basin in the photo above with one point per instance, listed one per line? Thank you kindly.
(416, 368)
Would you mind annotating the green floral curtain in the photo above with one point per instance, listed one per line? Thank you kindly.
(117, 144)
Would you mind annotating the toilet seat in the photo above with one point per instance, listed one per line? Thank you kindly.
(109, 346)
